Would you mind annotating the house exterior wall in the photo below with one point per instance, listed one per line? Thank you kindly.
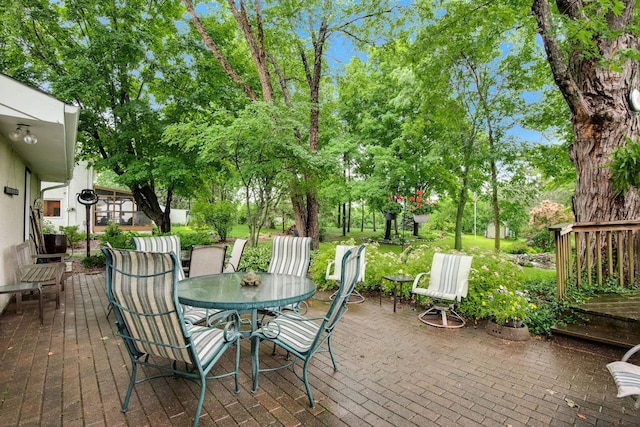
(72, 212)
(12, 226)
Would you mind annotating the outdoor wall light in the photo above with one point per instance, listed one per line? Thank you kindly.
(22, 133)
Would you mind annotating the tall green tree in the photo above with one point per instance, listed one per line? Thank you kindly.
(286, 42)
(592, 51)
(489, 50)
(124, 65)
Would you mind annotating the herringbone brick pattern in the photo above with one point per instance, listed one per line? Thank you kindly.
(393, 371)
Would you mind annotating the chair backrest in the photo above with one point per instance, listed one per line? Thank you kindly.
(161, 244)
(206, 260)
(23, 253)
(290, 255)
(340, 251)
(236, 255)
(142, 288)
(350, 271)
(450, 276)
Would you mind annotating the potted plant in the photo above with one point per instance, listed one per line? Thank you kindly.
(510, 311)
(392, 207)
(54, 243)
(420, 207)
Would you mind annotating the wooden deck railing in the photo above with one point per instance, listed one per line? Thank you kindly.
(595, 252)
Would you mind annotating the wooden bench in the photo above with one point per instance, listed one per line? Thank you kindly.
(49, 273)
(21, 288)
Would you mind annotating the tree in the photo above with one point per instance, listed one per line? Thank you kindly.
(591, 48)
(274, 38)
(116, 61)
(480, 76)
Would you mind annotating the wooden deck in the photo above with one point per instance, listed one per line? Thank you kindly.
(608, 318)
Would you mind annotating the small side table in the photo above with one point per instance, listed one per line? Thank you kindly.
(21, 288)
(397, 279)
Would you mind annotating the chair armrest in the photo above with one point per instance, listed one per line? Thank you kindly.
(630, 353)
(329, 268)
(231, 321)
(416, 281)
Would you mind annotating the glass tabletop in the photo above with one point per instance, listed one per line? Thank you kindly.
(224, 291)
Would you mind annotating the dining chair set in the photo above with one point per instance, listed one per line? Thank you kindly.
(142, 287)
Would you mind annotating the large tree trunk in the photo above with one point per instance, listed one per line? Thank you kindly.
(600, 114)
(147, 202)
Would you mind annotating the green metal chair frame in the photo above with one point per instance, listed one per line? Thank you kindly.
(302, 336)
(142, 288)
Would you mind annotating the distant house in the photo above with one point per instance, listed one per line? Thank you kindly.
(37, 143)
(490, 233)
(62, 208)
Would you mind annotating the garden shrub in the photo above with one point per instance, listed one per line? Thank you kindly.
(189, 238)
(489, 271)
(255, 258)
(74, 237)
(117, 237)
(94, 261)
(220, 216)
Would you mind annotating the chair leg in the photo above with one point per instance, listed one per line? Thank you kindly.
(446, 313)
(305, 378)
(354, 298)
(203, 388)
(132, 381)
(333, 359)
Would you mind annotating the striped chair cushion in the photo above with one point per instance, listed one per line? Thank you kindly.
(166, 244)
(160, 244)
(449, 276)
(207, 341)
(294, 331)
(142, 287)
(290, 255)
(626, 376)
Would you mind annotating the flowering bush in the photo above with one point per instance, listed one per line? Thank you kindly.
(419, 206)
(505, 305)
(548, 213)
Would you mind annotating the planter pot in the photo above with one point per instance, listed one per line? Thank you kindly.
(508, 332)
(55, 243)
(389, 216)
(421, 218)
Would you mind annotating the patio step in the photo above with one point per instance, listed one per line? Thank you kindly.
(608, 319)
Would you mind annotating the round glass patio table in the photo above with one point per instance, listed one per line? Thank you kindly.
(224, 292)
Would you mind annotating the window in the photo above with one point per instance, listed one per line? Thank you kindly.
(51, 208)
(118, 207)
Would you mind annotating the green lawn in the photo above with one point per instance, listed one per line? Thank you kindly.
(333, 235)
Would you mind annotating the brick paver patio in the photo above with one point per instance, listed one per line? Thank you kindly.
(393, 371)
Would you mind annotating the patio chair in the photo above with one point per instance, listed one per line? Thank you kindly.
(142, 288)
(626, 375)
(290, 255)
(302, 336)
(236, 256)
(448, 284)
(335, 273)
(206, 259)
(171, 244)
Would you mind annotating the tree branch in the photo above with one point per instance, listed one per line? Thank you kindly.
(208, 41)
(561, 73)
